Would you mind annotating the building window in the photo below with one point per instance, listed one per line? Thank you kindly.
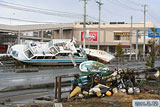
(117, 37)
(121, 35)
(35, 34)
(47, 33)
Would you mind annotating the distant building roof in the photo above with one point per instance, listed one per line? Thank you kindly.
(77, 24)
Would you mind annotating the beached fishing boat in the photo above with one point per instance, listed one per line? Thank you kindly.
(88, 67)
(55, 52)
(94, 54)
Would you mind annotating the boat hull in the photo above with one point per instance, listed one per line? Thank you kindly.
(54, 62)
(99, 55)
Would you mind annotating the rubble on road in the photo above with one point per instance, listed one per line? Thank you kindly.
(117, 81)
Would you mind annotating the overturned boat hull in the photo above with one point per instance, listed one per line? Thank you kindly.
(99, 55)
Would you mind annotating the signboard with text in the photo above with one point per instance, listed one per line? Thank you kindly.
(91, 36)
(152, 34)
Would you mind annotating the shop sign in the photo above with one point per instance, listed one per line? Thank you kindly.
(91, 36)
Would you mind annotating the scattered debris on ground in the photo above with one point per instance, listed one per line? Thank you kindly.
(117, 89)
(120, 81)
(111, 88)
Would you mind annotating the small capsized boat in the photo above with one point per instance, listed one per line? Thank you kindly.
(88, 67)
(94, 54)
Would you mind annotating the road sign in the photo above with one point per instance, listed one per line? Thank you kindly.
(152, 34)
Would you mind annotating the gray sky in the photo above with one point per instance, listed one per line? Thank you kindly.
(112, 10)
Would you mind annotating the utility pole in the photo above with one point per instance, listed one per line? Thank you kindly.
(99, 4)
(137, 44)
(84, 25)
(144, 31)
(131, 39)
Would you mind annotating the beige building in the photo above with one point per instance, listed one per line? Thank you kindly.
(110, 35)
(113, 34)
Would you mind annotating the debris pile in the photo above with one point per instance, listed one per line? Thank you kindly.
(100, 85)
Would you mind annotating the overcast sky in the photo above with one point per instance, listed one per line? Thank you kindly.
(112, 10)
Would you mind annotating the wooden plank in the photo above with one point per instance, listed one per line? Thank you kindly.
(59, 88)
(55, 89)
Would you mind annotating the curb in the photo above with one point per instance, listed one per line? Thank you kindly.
(24, 87)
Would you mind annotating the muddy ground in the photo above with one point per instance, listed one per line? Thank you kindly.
(117, 100)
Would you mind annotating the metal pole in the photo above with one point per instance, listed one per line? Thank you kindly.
(99, 24)
(84, 26)
(137, 45)
(144, 31)
(19, 37)
(131, 39)
(42, 36)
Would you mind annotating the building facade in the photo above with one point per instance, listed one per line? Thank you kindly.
(110, 34)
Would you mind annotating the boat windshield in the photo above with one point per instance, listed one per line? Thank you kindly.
(53, 50)
(28, 53)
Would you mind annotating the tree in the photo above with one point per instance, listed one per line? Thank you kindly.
(119, 50)
(151, 58)
(157, 48)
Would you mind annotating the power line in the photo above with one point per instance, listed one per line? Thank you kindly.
(94, 18)
(40, 8)
(129, 7)
(153, 17)
(122, 5)
(40, 11)
(111, 12)
(43, 11)
(131, 1)
(22, 20)
(151, 11)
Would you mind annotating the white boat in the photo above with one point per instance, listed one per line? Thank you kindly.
(55, 52)
(99, 54)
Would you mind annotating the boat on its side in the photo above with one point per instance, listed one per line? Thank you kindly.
(55, 52)
(88, 67)
(103, 56)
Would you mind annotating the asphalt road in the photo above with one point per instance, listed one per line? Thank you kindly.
(43, 76)
(8, 79)
(20, 97)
